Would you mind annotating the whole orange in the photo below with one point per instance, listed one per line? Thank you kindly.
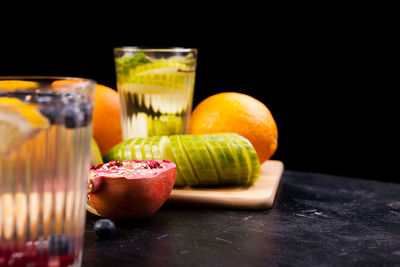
(107, 129)
(237, 113)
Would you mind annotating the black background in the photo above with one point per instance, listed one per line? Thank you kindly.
(325, 74)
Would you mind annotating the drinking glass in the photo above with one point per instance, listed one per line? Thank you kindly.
(156, 89)
(45, 135)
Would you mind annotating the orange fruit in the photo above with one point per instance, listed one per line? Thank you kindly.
(107, 129)
(237, 113)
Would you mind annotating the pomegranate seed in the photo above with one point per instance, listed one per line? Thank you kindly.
(152, 164)
(17, 259)
(113, 163)
(96, 167)
(66, 260)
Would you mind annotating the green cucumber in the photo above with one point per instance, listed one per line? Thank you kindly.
(243, 152)
(239, 155)
(200, 159)
(222, 158)
(165, 151)
(254, 161)
(135, 147)
(182, 161)
(155, 149)
(114, 154)
(146, 149)
(231, 158)
(125, 149)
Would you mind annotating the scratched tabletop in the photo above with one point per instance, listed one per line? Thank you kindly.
(316, 220)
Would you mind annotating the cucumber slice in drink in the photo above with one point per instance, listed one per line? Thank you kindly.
(222, 158)
(164, 125)
(254, 161)
(182, 161)
(201, 160)
(159, 67)
(159, 74)
(240, 157)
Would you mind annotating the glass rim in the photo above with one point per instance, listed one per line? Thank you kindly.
(150, 49)
(54, 78)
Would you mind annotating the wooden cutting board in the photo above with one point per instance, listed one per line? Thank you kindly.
(260, 195)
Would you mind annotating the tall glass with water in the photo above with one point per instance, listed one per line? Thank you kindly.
(156, 89)
(45, 135)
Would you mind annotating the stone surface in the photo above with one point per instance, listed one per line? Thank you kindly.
(316, 220)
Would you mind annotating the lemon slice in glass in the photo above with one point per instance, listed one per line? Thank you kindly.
(18, 122)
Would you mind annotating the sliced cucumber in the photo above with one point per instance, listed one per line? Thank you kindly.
(114, 154)
(231, 158)
(254, 161)
(222, 158)
(155, 149)
(146, 148)
(162, 146)
(180, 181)
(200, 159)
(243, 154)
(239, 155)
(165, 149)
(182, 162)
(136, 149)
(126, 150)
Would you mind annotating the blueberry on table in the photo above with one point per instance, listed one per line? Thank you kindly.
(104, 228)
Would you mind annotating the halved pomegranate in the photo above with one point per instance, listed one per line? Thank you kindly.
(130, 189)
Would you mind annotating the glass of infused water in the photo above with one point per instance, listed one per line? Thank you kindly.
(156, 89)
(45, 136)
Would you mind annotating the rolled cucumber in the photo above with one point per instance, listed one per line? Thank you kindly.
(212, 160)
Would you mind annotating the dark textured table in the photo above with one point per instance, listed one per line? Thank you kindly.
(316, 220)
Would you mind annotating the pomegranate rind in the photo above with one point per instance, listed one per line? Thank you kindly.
(115, 196)
(90, 208)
